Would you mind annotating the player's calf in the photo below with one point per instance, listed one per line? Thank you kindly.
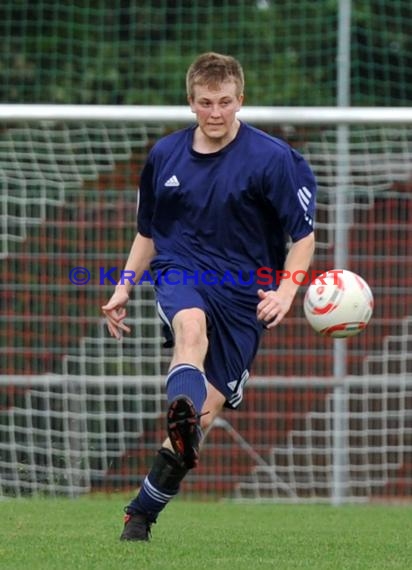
(159, 487)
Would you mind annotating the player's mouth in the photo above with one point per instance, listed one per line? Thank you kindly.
(215, 128)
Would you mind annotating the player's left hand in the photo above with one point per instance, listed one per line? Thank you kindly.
(272, 307)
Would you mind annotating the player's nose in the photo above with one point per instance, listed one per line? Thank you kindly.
(215, 111)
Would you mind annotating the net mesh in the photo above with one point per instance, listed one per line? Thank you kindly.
(136, 52)
(80, 411)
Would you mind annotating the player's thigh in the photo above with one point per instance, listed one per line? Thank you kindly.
(172, 300)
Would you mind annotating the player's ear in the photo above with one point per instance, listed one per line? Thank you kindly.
(240, 101)
(191, 102)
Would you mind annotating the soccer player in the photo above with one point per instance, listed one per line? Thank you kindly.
(218, 203)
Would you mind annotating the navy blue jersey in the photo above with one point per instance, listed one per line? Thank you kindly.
(227, 213)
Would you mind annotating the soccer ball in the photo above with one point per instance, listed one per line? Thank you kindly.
(338, 303)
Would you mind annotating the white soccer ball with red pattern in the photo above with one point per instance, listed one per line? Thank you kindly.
(338, 303)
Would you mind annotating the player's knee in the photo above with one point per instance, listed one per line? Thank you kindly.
(190, 330)
(193, 338)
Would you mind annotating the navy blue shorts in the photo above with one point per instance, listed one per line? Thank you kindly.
(233, 332)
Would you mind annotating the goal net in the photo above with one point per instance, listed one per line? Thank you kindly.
(80, 411)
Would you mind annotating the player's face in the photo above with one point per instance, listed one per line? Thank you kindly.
(216, 110)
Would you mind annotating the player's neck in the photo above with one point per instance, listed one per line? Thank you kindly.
(205, 144)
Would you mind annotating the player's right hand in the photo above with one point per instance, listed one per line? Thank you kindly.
(115, 313)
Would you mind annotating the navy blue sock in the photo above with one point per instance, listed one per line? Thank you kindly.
(188, 380)
(160, 486)
(151, 499)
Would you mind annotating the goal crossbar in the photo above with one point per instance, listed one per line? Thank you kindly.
(180, 113)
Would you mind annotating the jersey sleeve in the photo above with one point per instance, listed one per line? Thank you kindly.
(291, 190)
(145, 202)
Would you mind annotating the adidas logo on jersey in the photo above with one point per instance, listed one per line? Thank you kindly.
(172, 182)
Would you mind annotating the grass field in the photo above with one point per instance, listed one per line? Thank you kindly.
(82, 534)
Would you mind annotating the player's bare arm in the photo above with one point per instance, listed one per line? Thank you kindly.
(274, 305)
(140, 256)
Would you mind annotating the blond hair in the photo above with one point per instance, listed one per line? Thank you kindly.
(212, 69)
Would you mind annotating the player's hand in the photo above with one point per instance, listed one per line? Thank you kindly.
(115, 313)
(272, 307)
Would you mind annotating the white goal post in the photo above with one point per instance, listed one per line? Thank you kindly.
(182, 114)
(337, 432)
